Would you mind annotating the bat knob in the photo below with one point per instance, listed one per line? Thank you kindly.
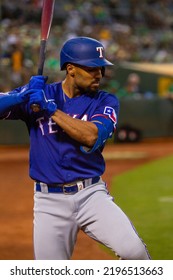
(35, 108)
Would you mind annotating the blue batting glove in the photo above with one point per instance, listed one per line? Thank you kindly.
(37, 82)
(37, 96)
(22, 96)
(51, 108)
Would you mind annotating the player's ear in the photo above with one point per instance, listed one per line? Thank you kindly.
(70, 69)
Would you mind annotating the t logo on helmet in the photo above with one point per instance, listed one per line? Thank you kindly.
(100, 50)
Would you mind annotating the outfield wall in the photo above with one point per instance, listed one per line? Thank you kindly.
(154, 117)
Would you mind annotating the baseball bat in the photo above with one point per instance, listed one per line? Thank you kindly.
(46, 21)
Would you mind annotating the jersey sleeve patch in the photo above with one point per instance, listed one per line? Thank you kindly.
(110, 112)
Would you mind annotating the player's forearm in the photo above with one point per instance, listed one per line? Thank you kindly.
(82, 131)
(6, 102)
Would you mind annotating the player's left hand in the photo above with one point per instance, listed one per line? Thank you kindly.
(37, 82)
(37, 96)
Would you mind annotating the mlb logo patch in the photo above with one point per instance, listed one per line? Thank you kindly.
(109, 111)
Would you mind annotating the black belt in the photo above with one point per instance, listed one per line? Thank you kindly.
(66, 188)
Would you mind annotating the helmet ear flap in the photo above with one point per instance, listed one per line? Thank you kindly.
(64, 66)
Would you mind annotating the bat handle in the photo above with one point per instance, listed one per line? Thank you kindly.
(42, 57)
(36, 107)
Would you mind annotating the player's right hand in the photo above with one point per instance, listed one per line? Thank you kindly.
(37, 96)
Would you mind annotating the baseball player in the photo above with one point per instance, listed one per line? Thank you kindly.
(67, 137)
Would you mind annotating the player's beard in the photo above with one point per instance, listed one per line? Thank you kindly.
(89, 90)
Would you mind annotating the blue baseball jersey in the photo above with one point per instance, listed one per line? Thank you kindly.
(54, 156)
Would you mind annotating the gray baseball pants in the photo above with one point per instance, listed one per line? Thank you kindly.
(59, 217)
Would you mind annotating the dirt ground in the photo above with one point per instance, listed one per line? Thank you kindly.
(16, 196)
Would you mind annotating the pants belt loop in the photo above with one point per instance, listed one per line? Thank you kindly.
(88, 182)
(44, 188)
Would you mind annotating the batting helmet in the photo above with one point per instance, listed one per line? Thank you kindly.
(83, 51)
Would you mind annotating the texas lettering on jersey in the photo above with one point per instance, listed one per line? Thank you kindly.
(50, 126)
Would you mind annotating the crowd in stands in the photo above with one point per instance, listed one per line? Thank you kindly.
(131, 30)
